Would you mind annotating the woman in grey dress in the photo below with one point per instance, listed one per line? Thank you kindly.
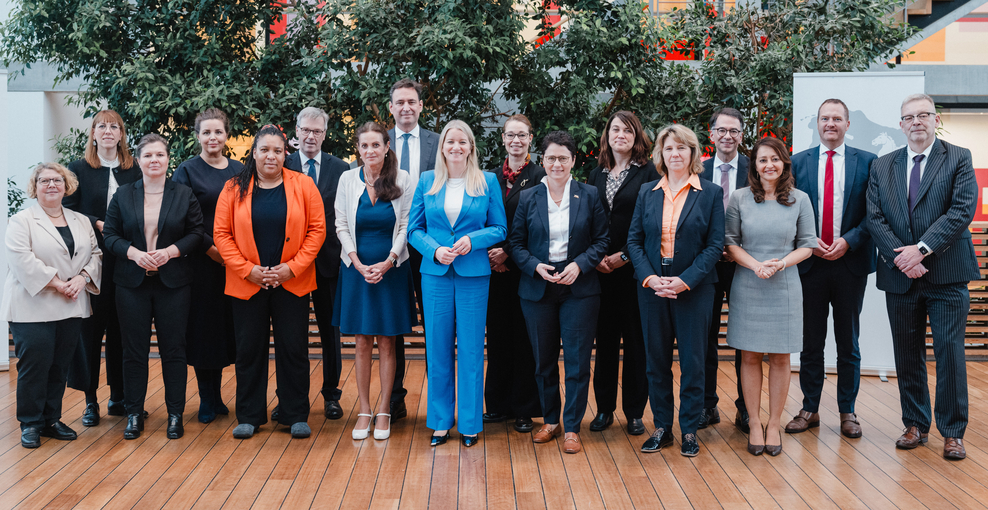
(768, 228)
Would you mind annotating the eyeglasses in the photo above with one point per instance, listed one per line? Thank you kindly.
(512, 136)
(923, 116)
(104, 127)
(724, 131)
(57, 181)
(306, 132)
(552, 160)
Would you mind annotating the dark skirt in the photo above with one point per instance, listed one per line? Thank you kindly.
(209, 340)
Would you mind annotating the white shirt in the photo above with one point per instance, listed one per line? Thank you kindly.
(821, 177)
(414, 143)
(455, 188)
(558, 224)
(112, 185)
(305, 163)
(732, 175)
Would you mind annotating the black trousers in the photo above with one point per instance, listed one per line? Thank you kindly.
(562, 318)
(84, 376)
(332, 360)
(619, 318)
(829, 283)
(398, 390)
(947, 306)
(169, 308)
(722, 290)
(510, 387)
(254, 319)
(44, 351)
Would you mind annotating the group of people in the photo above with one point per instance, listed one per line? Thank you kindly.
(641, 255)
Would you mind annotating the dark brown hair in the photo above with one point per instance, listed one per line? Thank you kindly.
(212, 114)
(123, 150)
(847, 113)
(786, 181)
(386, 186)
(729, 112)
(639, 151)
(149, 139)
(406, 83)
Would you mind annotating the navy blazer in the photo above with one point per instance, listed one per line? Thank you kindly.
(699, 234)
(861, 256)
(428, 148)
(330, 170)
(742, 178)
(619, 218)
(587, 245)
(945, 205)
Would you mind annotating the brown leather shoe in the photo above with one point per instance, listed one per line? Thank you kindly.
(572, 443)
(953, 448)
(803, 421)
(849, 425)
(546, 433)
(912, 438)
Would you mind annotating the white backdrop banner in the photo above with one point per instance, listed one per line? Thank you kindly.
(873, 99)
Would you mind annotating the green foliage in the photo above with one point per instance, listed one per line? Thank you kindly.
(15, 197)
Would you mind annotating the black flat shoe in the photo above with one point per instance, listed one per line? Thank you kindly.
(90, 417)
(175, 428)
(333, 410)
(658, 439)
(636, 427)
(741, 421)
(469, 441)
(524, 425)
(398, 411)
(691, 448)
(275, 414)
(494, 417)
(115, 408)
(30, 437)
(135, 424)
(60, 431)
(602, 421)
(708, 417)
(438, 440)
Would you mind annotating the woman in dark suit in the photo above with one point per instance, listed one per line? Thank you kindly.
(624, 167)
(209, 341)
(106, 166)
(676, 237)
(559, 237)
(510, 389)
(152, 225)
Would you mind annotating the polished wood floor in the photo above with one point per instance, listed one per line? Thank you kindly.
(209, 469)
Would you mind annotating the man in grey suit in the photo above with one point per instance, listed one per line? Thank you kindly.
(921, 200)
(835, 176)
(416, 150)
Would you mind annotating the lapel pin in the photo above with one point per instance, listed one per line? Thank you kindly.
(576, 196)
(523, 181)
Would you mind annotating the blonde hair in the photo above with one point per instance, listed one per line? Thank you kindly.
(71, 181)
(681, 134)
(476, 184)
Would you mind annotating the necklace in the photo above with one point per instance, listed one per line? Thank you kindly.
(146, 192)
(59, 215)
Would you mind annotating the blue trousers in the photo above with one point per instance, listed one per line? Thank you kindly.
(455, 319)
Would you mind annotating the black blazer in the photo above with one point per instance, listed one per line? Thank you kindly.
(428, 146)
(179, 223)
(531, 176)
(90, 197)
(587, 245)
(944, 209)
(330, 170)
(860, 257)
(742, 178)
(699, 234)
(619, 218)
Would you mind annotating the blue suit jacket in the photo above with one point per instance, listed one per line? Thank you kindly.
(861, 256)
(481, 218)
(699, 234)
(587, 245)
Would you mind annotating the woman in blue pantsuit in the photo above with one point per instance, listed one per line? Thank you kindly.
(456, 214)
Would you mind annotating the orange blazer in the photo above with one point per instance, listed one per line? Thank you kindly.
(305, 231)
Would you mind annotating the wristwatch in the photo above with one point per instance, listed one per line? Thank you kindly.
(86, 276)
(624, 257)
(393, 261)
(924, 250)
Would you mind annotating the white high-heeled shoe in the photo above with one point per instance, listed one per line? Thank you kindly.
(382, 434)
(359, 434)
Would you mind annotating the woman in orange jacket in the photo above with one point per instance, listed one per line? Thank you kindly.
(269, 227)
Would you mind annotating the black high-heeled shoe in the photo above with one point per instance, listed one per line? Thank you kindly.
(469, 441)
(135, 424)
(773, 449)
(438, 440)
(756, 449)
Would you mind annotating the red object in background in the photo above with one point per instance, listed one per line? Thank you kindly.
(981, 212)
(279, 25)
(550, 20)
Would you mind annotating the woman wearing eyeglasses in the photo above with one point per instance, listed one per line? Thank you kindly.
(559, 237)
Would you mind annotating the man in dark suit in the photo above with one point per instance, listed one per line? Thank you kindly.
(325, 169)
(729, 169)
(416, 150)
(921, 200)
(835, 177)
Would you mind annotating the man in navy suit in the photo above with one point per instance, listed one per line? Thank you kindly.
(416, 149)
(310, 128)
(729, 169)
(835, 177)
(921, 201)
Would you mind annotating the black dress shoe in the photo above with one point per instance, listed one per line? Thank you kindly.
(438, 440)
(115, 408)
(602, 421)
(524, 425)
(275, 414)
(741, 421)
(708, 417)
(691, 448)
(658, 439)
(494, 417)
(469, 441)
(30, 437)
(60, 431)
(90, 417)
(398, 410)
(636, 427)
(333, 410)
(175, 428)
(135, 424)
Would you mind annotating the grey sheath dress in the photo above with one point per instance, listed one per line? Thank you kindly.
(767, 315)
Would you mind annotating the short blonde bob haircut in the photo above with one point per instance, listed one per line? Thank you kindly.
(476, 184)
(71, 182)
(681, 134)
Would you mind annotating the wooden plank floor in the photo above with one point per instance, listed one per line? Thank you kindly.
(209, 469)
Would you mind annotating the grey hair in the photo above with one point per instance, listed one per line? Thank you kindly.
(917, 97)
(311, 112)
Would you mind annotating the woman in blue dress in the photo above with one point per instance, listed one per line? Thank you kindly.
(374, 294)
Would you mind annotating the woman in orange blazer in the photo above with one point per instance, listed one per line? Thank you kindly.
(269, 227)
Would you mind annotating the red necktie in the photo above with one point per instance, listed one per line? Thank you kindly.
(827, 229)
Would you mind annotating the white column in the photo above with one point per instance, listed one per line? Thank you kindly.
(4, 171)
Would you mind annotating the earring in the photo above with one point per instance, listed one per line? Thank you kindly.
(94, 143)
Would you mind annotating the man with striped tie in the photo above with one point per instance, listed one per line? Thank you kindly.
(921, 201)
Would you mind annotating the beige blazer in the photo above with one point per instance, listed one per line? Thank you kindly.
(36, 253)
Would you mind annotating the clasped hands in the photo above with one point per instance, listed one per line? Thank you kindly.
(152, 260)
(832, 251)
(71, 288)
(270, 277)
(446, 256)
(910, 261)
(566, 277)
(373, 273)
(611, 263)
(768, 268)
(667, 286)
(497, 257)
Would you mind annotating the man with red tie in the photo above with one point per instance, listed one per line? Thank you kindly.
(835, 177)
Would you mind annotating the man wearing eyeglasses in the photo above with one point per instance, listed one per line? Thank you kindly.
(835, 176)
(921, 201)
(325, 170)
(729, 169)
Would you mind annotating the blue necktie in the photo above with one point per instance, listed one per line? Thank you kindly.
(312, 170)
(914, 184)
(404, 153)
